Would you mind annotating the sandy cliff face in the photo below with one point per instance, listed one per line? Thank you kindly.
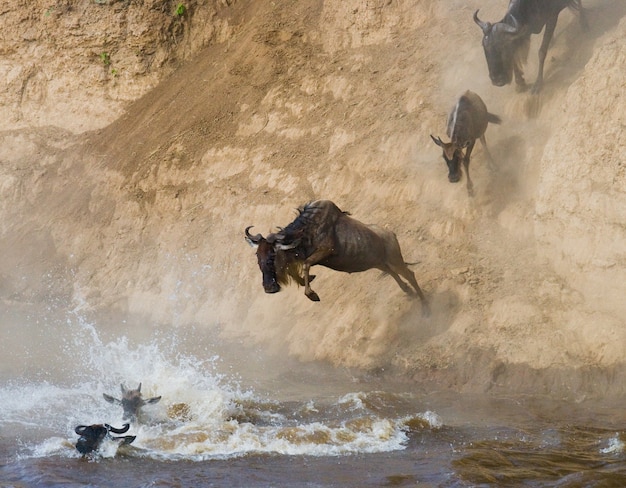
(581, 202)
(76, 64)
(310, 99)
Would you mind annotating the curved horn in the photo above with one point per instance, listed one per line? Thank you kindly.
(117, 431)
(139, 387)
(252, 239)
(122, 388)
(80, 429)
(485, 26)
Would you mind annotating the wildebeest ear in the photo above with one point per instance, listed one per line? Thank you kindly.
(152, 400)
(252, 243)
(110, 399)
(437, 141)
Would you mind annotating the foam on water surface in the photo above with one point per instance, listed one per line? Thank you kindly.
(202, 414)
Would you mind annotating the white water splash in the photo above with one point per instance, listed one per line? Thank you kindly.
(616, 446)
(202, 414)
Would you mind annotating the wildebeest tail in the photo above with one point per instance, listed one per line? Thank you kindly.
(494, 119)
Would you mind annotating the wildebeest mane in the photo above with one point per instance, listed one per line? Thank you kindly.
(459, 122)
(287, 274)
(302, 224)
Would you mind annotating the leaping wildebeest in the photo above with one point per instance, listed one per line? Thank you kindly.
(324, 235)
(131, 402)
(506, 43)
(91, 436)
(467, 122)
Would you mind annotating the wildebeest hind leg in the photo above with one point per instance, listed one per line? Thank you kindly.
(405, 288)
(490, 161)
(543, 50)
(466, 162)
(408, 275)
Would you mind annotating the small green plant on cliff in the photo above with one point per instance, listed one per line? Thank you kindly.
(105, 58)
(180, 9)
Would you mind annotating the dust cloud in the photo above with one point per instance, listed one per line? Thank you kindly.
(144, 216)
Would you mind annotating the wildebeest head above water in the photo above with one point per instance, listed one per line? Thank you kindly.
(506, 42)
(131, 402)
(91, 436)
(323, 234)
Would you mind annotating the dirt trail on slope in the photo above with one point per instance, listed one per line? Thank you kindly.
(336, 100)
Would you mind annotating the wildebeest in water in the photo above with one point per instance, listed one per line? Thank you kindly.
(467, 122)
(324, 235)
(91, 436)
(506, 43)
(131, 401)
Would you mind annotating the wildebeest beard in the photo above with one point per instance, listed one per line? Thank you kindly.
(290, 270)
(287, 265)
(280, 267)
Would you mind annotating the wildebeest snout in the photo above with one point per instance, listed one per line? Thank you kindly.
(500, 80)
(454, 176)
(271, 287)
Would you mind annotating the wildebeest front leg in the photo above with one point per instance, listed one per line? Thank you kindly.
(543, 51)
(307, 287)
(466, 162)
(313, 259)
(520, 82)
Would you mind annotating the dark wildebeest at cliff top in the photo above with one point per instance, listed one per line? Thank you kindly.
(91, 436)
(323, 234)
(506, 43)
(467, 122)
(131, 402)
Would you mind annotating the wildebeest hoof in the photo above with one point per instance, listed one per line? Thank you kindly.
(313, 296)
